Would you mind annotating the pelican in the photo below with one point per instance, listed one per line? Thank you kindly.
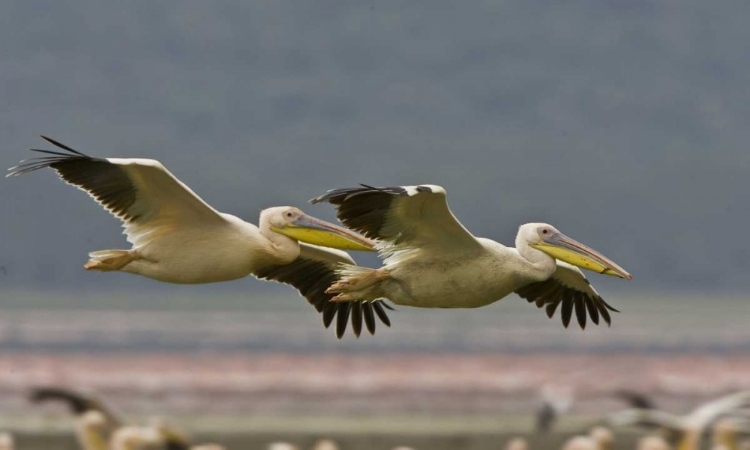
(79, 403)
(688, 430)
(432, 261)
(98, 427)
(95, 421)
(179, 238)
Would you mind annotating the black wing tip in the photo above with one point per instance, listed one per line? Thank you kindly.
(581, 305)
(43, 162)
(608, 306)
(61, 145)
(337, 196)
(360, 313)
(77, 402)
(332, 195)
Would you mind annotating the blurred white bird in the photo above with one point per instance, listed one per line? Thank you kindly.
(688, 429)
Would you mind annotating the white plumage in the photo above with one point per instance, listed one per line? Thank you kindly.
(432, 261)
(176, 237)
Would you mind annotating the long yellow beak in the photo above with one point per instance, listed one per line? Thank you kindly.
(319, 232)
(573, 252)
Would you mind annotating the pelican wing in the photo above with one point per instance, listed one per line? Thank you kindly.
(142, 193)
(646, 418)
(78, 402)
(312, 273)
(403, 216)
(635, 399)
(569, 287)
(729, 405)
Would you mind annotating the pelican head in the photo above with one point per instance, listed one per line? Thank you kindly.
(294, 223)
(548, 239)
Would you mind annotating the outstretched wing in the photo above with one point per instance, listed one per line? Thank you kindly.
(141, 192)
(312, 273)
(403, 216)
(635, 399)
(78, 402)
(730, 405)
(568, 286)
(647, 418)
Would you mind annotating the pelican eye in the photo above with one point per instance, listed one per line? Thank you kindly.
(289, 214)
(545, 231)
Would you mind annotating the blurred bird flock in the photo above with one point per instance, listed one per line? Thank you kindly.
(618, 122)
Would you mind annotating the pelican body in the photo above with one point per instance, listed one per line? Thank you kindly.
(432, 261)
(176, 237)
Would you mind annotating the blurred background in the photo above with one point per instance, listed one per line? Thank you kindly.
(624, 124)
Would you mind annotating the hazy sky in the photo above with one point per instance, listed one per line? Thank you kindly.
(625, 124)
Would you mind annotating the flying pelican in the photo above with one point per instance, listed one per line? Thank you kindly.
(688, 430)
(79, 403)
(95, 422)
(97, 426)
(432, 261)
(179, 238)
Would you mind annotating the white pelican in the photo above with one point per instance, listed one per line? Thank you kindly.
(432, 261)
(78, 403)
(179, 238)
(688, 430)
(97, 427)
